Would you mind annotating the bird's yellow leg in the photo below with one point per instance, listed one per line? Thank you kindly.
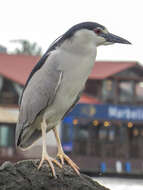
(45, 155)
(62, 156)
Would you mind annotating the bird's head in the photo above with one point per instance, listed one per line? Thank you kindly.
(96, 31)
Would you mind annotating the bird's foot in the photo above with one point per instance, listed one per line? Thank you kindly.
(62, 156)
(50, 161)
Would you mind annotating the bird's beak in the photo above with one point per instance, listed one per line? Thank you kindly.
(115, 39)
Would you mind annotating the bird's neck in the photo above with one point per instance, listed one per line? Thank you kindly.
(79, 48)
(81, 44)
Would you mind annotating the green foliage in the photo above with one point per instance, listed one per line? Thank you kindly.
(27, 48)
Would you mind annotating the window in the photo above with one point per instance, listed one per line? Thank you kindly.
(103, 133)
(9, 92)
(111, 135)
(80, 139)
(81, 133)
(7, 135)
(108, 89)
(93, 87)
(1, 83)
(3, 135)
(126, 91)
(66, 133)
(139, 91)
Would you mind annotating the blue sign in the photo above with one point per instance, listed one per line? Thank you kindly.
(108, 112)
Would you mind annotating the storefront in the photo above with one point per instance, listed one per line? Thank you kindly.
(104, 132)
(8, 119)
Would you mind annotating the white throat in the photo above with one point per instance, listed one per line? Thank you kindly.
(83, 42)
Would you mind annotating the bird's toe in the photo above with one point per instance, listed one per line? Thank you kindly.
(63, 156)
(50, 162)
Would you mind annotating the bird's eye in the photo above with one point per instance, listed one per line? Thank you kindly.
(97, 31)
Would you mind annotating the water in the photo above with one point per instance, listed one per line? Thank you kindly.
(120, 183)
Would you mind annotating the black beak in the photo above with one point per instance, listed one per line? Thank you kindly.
(114, 39)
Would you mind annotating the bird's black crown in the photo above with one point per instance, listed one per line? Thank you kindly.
(72, 30)
(83, 25)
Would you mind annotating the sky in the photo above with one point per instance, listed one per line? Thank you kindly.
(42, 21)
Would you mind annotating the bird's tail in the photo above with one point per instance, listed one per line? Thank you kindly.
(27, 137)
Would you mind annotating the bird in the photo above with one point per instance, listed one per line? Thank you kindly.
(55, 85)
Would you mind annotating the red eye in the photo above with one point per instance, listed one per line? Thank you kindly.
(97, 30)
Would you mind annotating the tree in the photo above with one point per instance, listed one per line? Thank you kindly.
(27, 48)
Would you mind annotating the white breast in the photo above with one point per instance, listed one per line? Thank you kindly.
(76, 67)
(73, 81)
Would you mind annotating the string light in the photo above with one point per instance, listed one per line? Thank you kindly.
(130, 124)
(106, 124)
(75, 121)
(135, 132)
(95, 122)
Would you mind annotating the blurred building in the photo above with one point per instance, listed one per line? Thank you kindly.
(3, 49)
(14, 70)
(104, 130)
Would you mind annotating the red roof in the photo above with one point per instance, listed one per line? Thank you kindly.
(104, 69)
(88, 100)
(18, 67)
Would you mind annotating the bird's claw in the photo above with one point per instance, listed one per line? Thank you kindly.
(63, 156)
(50, 162)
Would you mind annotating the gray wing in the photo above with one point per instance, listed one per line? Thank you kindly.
(39, 93)
(74, 103)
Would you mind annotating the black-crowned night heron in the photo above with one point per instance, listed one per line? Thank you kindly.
(55, 84)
